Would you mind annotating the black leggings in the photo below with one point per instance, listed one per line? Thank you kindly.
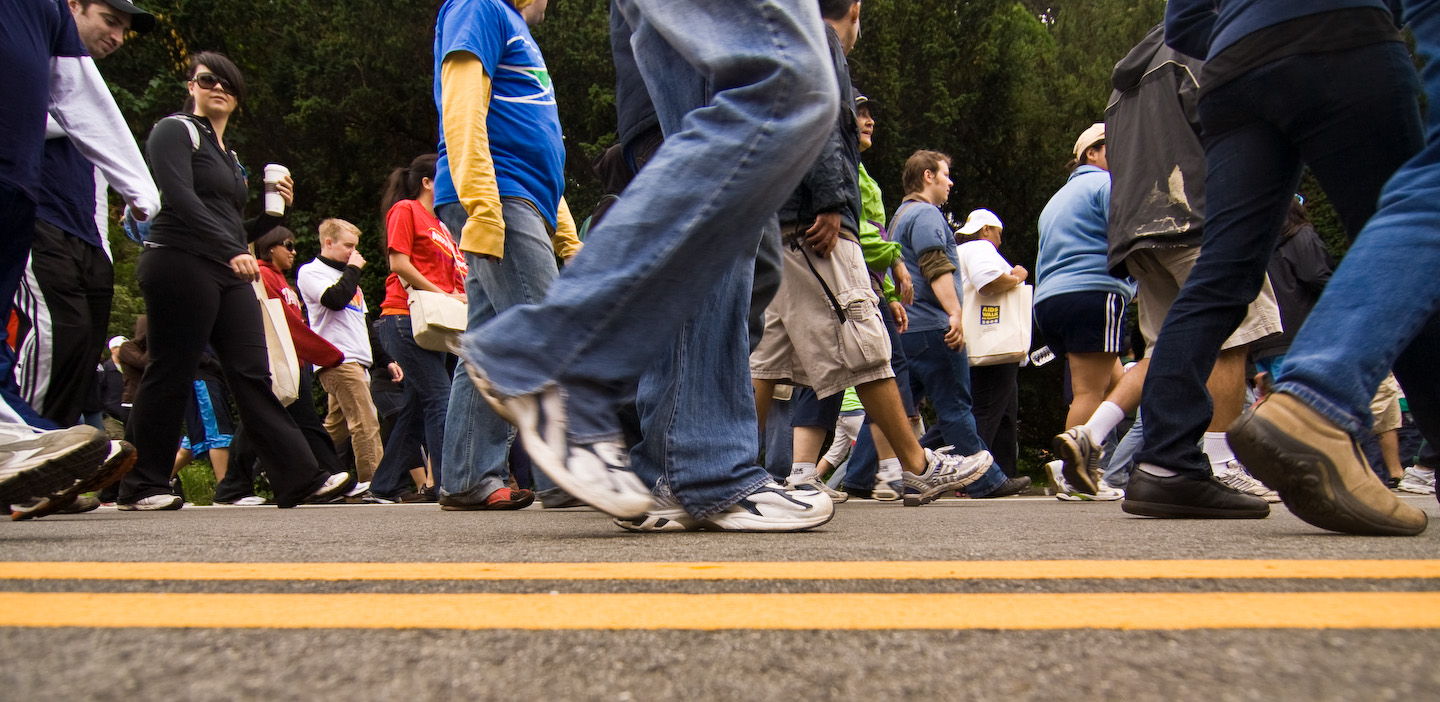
(191, 301)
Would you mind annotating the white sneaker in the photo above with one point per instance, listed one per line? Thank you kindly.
(598, 474)
(359, 489)
(1235, 476)
(889, 485)
(38, 464)
(774, 508)
(247, 501)
(153, 503)
(811, 482)
(665, 514)
(946, 472)
(1418, 480)
(337, 485)
(1066, 493)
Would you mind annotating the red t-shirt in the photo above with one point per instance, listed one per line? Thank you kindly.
(413, 231)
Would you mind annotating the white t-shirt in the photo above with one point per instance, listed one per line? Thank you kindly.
(980, 264)
(346, 328)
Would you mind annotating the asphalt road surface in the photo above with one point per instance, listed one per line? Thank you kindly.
(1013, 599)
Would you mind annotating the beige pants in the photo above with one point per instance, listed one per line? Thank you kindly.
(352, 414)
(1386, 406)
(1161, 274)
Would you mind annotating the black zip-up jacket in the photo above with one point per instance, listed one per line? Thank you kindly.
(202, 192)
(1157, 165)
(833, 181)
(1299, 271)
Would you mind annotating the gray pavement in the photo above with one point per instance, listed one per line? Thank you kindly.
(366, 664)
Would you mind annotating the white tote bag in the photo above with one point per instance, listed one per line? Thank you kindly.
(997, 327)
(436, 320)
(284, 367)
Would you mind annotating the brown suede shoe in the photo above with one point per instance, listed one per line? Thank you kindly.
(1319, 470)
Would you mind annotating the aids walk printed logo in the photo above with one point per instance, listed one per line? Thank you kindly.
(535, 74)
(989, 315)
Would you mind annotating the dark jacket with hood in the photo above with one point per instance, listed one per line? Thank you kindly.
(833, 182)
(1157, 165)
(1298, 271)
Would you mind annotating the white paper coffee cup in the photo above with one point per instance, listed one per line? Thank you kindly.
(274, 203)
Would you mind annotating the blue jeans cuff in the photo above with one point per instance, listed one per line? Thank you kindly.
(708, 511)
(487, 485)
(993, 478)
(1327, 409)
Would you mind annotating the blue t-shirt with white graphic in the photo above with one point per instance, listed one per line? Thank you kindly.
(919, 227)
(523, 123)
(31, 33)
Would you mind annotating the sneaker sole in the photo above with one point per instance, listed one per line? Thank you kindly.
(168, 507)
(545, 458)
(929, 495)
(57, 475)
(1306, 482)
(659, 523)
(752, 523)
(506, 505)
(1073, 464)
(111, 471)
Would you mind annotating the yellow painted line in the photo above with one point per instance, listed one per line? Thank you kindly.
(767, 570)
(1345, 610)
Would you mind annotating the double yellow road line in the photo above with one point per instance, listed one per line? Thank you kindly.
(835, 611)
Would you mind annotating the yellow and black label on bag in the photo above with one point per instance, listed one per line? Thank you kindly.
(989, 314)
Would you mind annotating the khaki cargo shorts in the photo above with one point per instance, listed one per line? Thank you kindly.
(805, 342)
(1162, 272)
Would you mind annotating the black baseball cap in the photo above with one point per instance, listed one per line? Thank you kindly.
(140, 20)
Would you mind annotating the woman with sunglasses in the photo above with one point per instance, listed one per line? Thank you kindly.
(195, 275)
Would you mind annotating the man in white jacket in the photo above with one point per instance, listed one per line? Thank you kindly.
(64, 298)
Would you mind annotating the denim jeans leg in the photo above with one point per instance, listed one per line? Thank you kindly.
(427, 393)
(1361, 326)
(697, 407)
(1122, 460)
(696, 208)
(477, 441)
(945, 375)
(779, 440)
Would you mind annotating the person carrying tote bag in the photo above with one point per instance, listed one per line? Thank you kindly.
(195, 275)
(424, 263)
(996, 308)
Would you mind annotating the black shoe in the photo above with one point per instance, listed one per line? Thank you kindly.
(1182, 497)
(859, 493)
(1012, 486)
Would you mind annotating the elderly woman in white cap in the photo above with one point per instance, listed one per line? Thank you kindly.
(993, 388)
(1079, 306)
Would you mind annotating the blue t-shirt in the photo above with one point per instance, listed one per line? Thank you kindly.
(523, 124)
(919, 227)
(1074, 239)
(31, 33)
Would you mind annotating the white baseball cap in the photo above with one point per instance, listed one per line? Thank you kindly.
(116, 341)
(978, 219)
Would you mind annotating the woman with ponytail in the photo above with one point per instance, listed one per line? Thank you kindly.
(422, 256)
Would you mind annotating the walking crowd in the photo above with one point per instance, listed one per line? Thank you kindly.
(741, 294)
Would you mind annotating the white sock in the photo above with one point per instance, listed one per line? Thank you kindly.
(1218, 449)
(889, 469)
(1106, 417)
(799, 472)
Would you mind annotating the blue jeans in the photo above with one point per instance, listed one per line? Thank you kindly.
(744, 94)
(427, 392)
(944, 374)
(1380, 307)
(477, 441)
(1122, 460)
(1352, 116)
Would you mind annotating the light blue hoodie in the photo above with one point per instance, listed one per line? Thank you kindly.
(1074, 239)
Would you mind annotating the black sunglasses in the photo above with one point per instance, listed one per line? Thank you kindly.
(208, 81)
(289, 245)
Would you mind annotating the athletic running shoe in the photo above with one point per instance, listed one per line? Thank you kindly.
(1081, 459)
(153, 503)
(1065, 493)
(775, 508)
(1418, 480)
(247, 501)
(945, 472)
(889, 485)
(1235, 475)
(68, 505)
(71, 500)
(39, 464)
(810, 482)
(597, 473)
(337, 485)
(359, 489)
(665, 514)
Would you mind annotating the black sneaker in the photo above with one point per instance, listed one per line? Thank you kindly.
(1182, 497)
(1012, 486)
